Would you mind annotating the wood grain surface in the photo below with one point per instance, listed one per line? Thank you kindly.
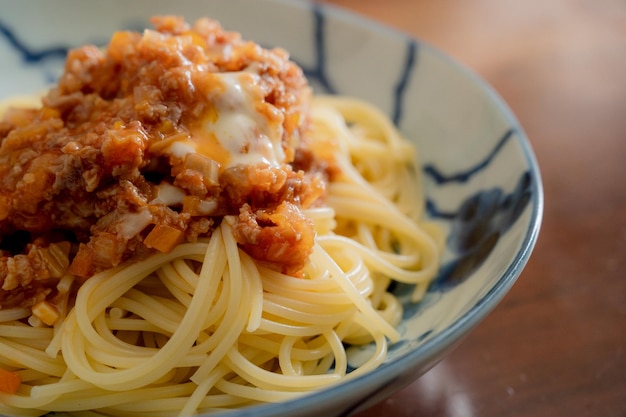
(556, 345)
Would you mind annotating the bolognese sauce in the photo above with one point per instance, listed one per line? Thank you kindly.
(149, 143)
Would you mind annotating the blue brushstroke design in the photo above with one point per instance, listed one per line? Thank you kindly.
(475, 229)
(436, 213)
(478, 223)
(31, 56)
(477, 226)
(464, 176)
(318, 72)
(40, 58)
(401, 86)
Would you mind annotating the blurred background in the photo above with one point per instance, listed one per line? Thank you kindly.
(556, 345)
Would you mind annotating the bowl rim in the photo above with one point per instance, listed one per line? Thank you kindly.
(451, 335)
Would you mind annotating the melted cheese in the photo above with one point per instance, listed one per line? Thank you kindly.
(239, 127)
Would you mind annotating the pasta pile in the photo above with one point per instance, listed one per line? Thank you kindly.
(206, 327)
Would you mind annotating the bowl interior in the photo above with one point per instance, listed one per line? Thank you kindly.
(481, 179)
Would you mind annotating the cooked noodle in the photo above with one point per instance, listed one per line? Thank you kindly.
(206, 327)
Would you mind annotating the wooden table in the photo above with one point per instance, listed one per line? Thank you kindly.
(556, 345)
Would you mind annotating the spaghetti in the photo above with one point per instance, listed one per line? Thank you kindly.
(215, 323)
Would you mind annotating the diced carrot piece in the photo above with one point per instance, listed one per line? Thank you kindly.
(163, 238)
(49, 113)
(119, 43)
(9, 381)
(82, 266)
(107, 249)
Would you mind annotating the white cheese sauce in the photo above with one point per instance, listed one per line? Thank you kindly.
(237, 130)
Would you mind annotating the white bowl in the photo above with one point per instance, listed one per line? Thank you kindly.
(482, 181)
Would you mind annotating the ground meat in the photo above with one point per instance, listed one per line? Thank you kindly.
(94, 177)
(265, 186)
(282, 236)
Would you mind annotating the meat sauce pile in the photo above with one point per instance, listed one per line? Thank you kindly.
(118, 163)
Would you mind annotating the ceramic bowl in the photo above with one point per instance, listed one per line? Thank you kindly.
(481, 178)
